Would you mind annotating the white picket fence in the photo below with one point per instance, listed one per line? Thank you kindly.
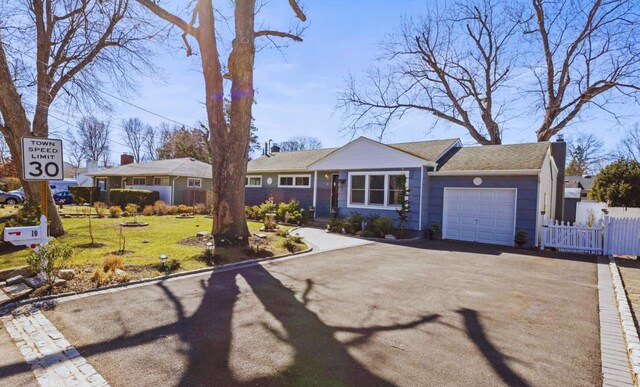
(608, 236)
(622, 236)
(580, 238)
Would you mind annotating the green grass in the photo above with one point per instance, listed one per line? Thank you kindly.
(163, 234)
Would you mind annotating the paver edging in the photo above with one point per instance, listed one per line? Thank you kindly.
(628, 326)
(44, 299)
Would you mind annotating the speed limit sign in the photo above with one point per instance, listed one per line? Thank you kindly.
(42, 158)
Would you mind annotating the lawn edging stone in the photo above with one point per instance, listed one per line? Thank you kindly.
(628, 326)
(46, 301)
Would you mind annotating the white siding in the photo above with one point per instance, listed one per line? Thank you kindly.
(546, 192)
(367, 154)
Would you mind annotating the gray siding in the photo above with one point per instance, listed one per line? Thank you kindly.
(527, 196)
(256, 195)
(414, 201)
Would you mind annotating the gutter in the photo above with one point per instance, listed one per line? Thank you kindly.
(506, 172)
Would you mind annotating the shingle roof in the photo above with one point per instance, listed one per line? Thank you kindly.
(428, 150)
(498, 157)
(300, 160)
(288, 161)
(173, 167)
(584, 182)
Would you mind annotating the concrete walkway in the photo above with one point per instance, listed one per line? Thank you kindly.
(615, 364)
(322, 241)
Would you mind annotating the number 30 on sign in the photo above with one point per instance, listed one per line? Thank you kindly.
(42, 159)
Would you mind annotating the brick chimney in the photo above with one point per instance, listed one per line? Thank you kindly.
(126, 159)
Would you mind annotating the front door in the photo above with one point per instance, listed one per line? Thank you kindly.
(334, 192)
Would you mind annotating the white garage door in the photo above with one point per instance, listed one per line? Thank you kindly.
(479, 215)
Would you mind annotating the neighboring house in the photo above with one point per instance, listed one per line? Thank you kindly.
(482, 194)
(178, 181)
(585, 183)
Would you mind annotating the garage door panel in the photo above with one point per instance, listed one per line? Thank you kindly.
(480, 215)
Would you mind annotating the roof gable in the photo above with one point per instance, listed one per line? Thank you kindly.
(364, 153)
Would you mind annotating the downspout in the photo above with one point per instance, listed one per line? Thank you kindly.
(421, 189)
(315, 192)
(173, 190)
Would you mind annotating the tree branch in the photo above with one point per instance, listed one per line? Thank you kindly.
(296, 8)
(279, 34)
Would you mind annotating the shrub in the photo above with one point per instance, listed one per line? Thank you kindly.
(131, 208)
(618, 184)
(367, 234)
(115, 211)
(170, 266)
(383, 226)
(27, 215)
(284, 208)
(200, 209)
(172, 210)
(335, 225)
(160, 208)
(49, 259)
(291, 246)
(269, 224)
(252, 212)
(184, 209)
(148, 210)
(296, 238)
(85, 194)
(141, 197)
(12, 183)
(112, 262)
(353, 223)
(266, 207)
(100, 277)
(210, 258)
(281, 232)
(369, 221)
(100, 208)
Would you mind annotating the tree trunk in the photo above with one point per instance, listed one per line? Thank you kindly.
(229, 142)
(16, 126)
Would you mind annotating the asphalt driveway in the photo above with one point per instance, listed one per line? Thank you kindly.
(379, 314)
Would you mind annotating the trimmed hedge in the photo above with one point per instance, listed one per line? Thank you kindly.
(141, 197)
(85, 194)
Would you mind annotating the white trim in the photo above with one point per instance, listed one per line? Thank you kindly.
(457, 142)
(444, 207)
(315, 188)
(421, 189)
(106, 180)
(133, 180)
(307, 175)
(248, 181)
(506, 172)
(194, 179)
(161, 179)
(366, 204)
(539, 216)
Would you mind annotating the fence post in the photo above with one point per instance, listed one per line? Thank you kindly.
(605, 235)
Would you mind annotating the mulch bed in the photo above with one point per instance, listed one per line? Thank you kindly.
(630, 272)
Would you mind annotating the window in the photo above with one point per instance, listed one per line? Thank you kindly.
(101, 182)
(253, 181)
(139, 181)
(395, 187)
(375, 189)
(163, 180)
(294, 181)
(194, 183)
(357, 189)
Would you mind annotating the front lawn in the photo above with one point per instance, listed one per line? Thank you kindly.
(143, 245)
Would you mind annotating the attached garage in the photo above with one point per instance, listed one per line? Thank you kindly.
(485, 215)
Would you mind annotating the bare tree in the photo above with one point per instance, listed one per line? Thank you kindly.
(63, 50)
(585, 154)
(300, 143)
(629, 147)
(229, 143)
(471, 64)
(455, 64)
(93, 138)
(74, 152)
(135, 137)
(591, 56)
(150, 144)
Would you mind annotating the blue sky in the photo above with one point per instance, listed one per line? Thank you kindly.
(296, 94)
